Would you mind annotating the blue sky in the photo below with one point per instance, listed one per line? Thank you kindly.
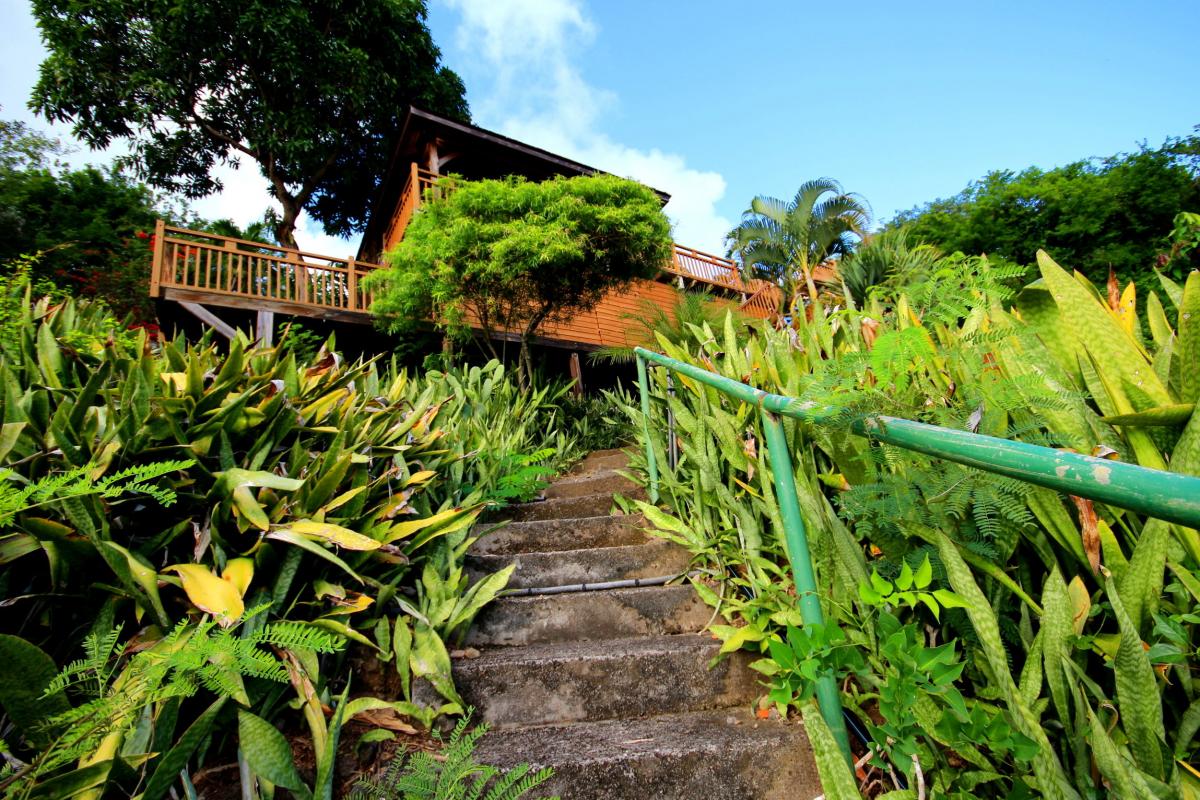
(716, 101)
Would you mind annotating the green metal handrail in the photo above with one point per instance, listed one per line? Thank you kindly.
(1166, 495)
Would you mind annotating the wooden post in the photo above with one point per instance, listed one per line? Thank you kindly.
(156, 263)
(414, 180)
(576, 374)
(352, 283)
(264, 327)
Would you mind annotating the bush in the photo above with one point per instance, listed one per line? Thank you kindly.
(335, 497)
(998, 639)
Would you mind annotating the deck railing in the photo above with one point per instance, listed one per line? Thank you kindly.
(1168, 496)
(255, 272)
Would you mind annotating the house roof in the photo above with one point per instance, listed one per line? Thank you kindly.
(468, 150)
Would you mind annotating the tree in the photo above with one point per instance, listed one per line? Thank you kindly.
(1089, 215)
(502, 257)
(784, 242)
(313, 91)
(81, 225)
(891, 258)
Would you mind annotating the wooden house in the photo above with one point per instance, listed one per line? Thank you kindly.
(200, 270)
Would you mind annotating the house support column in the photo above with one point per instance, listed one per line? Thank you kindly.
(264, 327)
(576, 374)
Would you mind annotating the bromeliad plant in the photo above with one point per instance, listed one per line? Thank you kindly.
(337, 497)
(1050, 651)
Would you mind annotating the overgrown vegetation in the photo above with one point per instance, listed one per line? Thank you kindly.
(161, 495)
(496, 258)
(1094, 214)
(995, 639)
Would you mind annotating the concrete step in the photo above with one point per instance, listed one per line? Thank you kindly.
(601, 460)
(603, 481)
(715, 755)
(589, 616)
(652, 559)
(613, 679)
(587, 505)
(551, 535)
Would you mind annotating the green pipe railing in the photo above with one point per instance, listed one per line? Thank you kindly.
(1168, 496)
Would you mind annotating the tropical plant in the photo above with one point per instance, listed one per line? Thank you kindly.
(1054, 656)
(127, 701)
(887, 259)
(453, 774)
(324, 494)
(785, 241)
(124, 69)
(495, 258)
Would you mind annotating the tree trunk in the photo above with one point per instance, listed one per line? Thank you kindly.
(285, 231)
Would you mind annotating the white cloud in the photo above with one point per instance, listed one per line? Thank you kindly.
(539, 96)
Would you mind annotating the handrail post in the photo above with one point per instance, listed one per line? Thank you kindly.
(156, 262)
(802, 568)
(651, 464)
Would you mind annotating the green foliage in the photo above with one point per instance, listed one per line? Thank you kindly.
(506, 256)
(89, 227)
(965, 618)
(785, 241)
(452, 774)
(888, 259)
(169, 487)
(115, 692)
(130, 69)
(1092, 214)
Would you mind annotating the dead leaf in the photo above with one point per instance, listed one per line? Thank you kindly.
(385, 718)
(1114, 290)
(870, 330)
(1104, 451)
(1089, 531)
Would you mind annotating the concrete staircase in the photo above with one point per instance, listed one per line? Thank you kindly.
(612, 688)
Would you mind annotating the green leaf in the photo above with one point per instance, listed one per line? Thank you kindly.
(1053, 780)
(308, 544)
(430, 660)
(837, 781)
(26, 674)
(1189, 339)
(924, 574)
(1174, 414)
(268, 752)
(1137, 692)
(168, 767)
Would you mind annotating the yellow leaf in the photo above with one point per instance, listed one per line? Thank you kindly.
(210, 593)
(424, 476)
(1081, 603)
(334, 534)
(1127, 308)
(239, 571)
(175, 379)
(351, 605)
(403, 529)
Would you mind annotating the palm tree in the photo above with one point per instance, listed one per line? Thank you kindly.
(784, 242)
(885, 259)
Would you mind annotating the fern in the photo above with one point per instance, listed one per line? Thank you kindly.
(451, 775)
(112, 689)
(79, 482)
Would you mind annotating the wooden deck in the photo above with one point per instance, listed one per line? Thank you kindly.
(206, 269)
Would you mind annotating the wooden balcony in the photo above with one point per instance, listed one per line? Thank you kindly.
(197, 267)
